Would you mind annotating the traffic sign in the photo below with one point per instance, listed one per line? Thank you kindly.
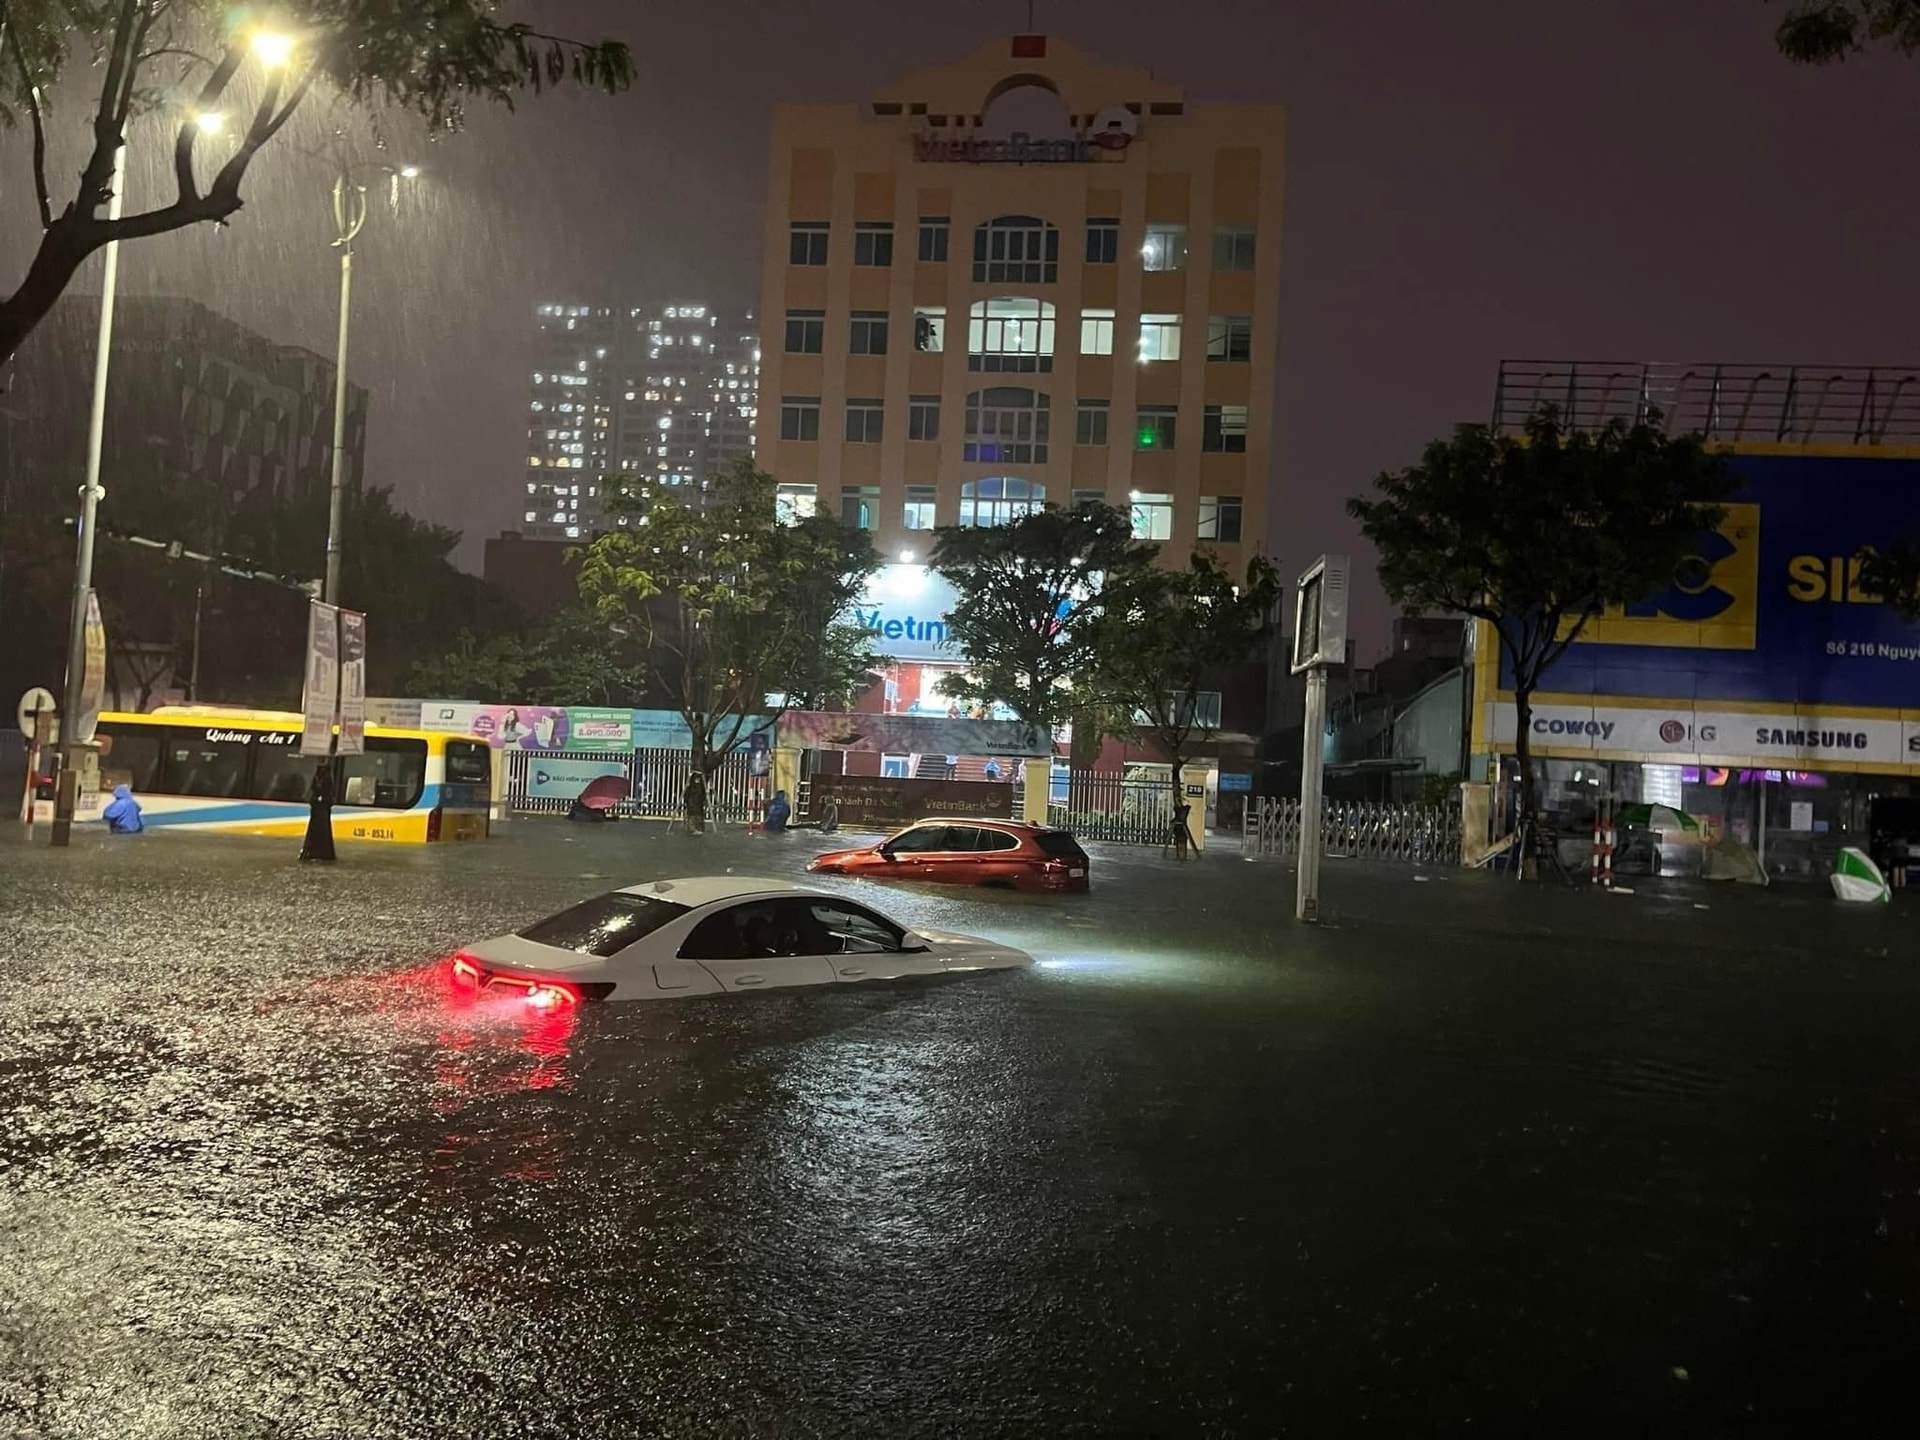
(38, 698)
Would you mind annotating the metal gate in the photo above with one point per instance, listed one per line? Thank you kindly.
(1357, 829)
(545, 783)
(1109, 806)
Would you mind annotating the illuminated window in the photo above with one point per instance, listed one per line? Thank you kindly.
(807, 243)
(1159, 337)
(923, 417)
(1090, 422)
(919, 509)
(794, 503)
(800, 417)
(1165, 248)
(864, 420)
(1096, 332)
(1229, 337)
(1006, 425)
(1103, 241)
(1220, 518)
(1156, 427)
(806, 333)
(859, 506)
(1152, 516)
(1016, 248)
(873, 243)
(930, 328)
(868, 335)
(1000, 500)
(1224, 429)
(1233, 247)
(933, 239)
(1010, 333)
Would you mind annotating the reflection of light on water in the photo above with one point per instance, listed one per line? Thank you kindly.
(1078, 962)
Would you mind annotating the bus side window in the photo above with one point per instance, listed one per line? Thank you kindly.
(196, 765)
(134, 751)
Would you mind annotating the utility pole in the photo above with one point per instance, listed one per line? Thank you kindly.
(349, 214)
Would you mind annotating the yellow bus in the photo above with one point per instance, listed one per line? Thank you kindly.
(241, 771)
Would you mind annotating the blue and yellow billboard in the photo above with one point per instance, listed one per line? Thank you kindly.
(1763, 649)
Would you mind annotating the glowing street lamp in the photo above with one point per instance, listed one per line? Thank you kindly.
(271, 48)
(211, 122)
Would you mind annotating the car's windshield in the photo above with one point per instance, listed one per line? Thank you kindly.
(605, 924)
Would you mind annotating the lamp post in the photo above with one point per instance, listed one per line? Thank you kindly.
(67, 794)
(349, 217)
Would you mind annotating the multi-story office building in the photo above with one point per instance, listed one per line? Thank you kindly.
(669, 393)
(973, 307)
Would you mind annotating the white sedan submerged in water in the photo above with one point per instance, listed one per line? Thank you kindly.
(710, 936)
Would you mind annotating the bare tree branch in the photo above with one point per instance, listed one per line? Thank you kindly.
(32, 92)
(209, 95)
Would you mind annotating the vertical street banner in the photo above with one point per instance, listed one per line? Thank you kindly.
(353, 682)
(93, 674)
(320, 691)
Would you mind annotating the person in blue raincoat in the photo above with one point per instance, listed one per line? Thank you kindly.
(778, 813)
(123, 812)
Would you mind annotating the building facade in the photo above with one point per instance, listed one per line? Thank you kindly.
(667, 392)
(1763, 692)
(1024, 278)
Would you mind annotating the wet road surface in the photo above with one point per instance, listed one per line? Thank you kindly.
(1473, 1158)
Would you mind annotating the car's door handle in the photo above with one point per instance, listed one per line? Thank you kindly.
(853, 972)
(750, 980)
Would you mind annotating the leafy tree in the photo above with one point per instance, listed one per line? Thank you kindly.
(1893, 573)
(1028, 605)
(576, 658)
(1161, 635)
(1537, 534)
(1824, 32)
(179, 59)
(728, 599)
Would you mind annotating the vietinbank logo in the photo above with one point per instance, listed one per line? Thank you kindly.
(1713, 602)
(920, 629)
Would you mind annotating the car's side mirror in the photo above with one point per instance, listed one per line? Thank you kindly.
(885, 852)
(912, 942)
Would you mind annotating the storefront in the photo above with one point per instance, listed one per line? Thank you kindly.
(1762, 692)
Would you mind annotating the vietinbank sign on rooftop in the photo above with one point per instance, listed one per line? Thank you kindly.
(1106, 139)
(905, 611)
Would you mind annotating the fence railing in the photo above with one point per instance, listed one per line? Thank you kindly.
(1108, 806)
(1357, 829)
(656, 783)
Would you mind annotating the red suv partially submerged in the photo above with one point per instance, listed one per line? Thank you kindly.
(999, 854)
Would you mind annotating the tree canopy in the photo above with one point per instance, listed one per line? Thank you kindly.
(1824, 32)
(1893, 573)
(732, 604)
(1028, 604)
(1164, 635)
(178, 61)
(1538, 533)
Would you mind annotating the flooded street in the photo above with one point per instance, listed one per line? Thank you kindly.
(1474, 1157)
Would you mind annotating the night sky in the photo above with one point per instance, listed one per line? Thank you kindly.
(1610, 179)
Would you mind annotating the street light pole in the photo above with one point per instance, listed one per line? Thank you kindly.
(349, 214)
(66, 794)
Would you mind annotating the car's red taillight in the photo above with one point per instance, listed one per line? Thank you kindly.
(540, 994)
(465, 970)
(433, 823)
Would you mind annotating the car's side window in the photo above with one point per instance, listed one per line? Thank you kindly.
(918, 840)
(961, 839)
(757, 930)
(847, 929)
(997, 840)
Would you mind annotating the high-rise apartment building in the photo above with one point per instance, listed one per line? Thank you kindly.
(669, 392)
(1024, 278)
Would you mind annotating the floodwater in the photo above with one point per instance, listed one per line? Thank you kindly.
(1473, 1157)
